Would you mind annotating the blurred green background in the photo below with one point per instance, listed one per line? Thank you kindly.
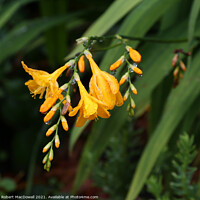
(122, 157)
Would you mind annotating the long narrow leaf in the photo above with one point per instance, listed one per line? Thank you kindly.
(192, 20)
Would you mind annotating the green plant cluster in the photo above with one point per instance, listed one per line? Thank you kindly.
(182, 185)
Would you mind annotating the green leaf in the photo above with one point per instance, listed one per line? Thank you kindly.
(175, 15)
(192, 21)
(110, 17)
(21, 36)
(8, 10)
(178, 103)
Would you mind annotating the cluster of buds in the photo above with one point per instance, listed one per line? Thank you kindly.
(178, 65)
(132, 67)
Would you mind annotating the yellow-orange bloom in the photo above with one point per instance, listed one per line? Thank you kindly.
(117, 64)
(43, 81)
(81, 64)
(135, 55)
(104, 86)
(90, 107)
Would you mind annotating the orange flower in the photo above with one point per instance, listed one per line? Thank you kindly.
(43, 81)
(104, 86)
(90, 107)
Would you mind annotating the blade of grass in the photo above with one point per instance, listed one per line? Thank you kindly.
(178, 103)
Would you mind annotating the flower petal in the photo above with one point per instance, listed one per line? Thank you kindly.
(102, 112)
(112, 81)
(81, 120)
(119, 99)
(76, 109)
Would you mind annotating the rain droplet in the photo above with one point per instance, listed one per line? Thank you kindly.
(135, 64)
(47, 123)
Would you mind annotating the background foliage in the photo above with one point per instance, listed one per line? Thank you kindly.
(136, 155)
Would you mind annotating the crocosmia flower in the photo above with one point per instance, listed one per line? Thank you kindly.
(90, 107)
(104, 86)
(43, 81)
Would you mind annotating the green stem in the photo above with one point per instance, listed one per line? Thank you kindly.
(146, 39)
(149, 39)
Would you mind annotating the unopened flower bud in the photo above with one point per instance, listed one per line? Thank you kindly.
(51, 113)
(174, 60)
(64, 123)
(64, 87)
(175, 73)
(57, 141)
(76, 76)
(126, 95)
(81, 64)
(123, 78)
(117, 64)
(65, 108)
(132, 103)
(47, 166)
(134, 90)
(131, 112)
(180, 75)
(51, 154)
(137, 70)
(81, 40)
(51, 130)
(135, 55)
(45, 159)
(182, 65)
(46, 148)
